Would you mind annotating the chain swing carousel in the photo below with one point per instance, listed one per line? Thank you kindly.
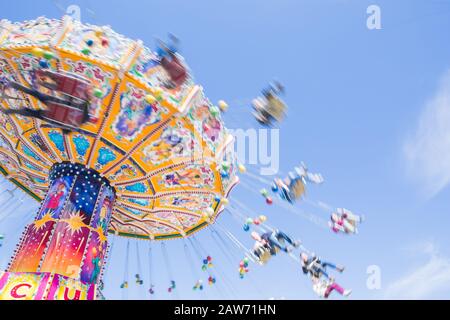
(94, 127)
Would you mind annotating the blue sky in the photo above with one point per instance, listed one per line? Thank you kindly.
(369, 109)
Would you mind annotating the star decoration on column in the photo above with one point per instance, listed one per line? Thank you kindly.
(39, 224)
(101, 234)
(75, 222)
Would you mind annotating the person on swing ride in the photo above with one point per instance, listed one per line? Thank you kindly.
(293, 186)
(316, 267)
(67, 97)
(324, 287)
(261, 250)
(171, 63)
(289, 189)
(273, 241)
(344, 221)
(303, 172)
(172, 45)
(282, 188)
(323, 284)
(270, 107)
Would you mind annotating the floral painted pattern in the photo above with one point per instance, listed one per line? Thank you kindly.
(32, 32)
(8, 164)
(27, 151)
(192, 176)
(57, 139)
(107, 45)
(175, 141)
(105, 156)
(137, 187)
(81, 145)
(136, 114)
(147, 68)
(207, 124)
(6, 125)
(125, 171)
(191, 202)
(26, 63)
(141, 202)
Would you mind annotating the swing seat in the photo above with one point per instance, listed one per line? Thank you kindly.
(64, 115)
(267, 111)
(297, 188)
(259, 104)
(261, 118)
(265, 255)
(276, 108)
(70, 93)
(74, 89)
(175, 69)
(320, 287)
(68, 84)
(260, 114)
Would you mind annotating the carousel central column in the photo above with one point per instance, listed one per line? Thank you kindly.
(61, 253)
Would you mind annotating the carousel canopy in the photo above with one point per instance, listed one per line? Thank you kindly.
(165, 151)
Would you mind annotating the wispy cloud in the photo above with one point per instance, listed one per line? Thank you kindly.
(427, 151)
(430, 278)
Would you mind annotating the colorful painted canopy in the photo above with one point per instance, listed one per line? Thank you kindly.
(169, 160)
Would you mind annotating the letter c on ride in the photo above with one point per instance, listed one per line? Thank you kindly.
(15, 291)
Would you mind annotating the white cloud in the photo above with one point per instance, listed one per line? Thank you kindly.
(431, 278)
(427, 151)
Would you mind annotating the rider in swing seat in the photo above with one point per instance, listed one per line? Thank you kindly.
(67, 103)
